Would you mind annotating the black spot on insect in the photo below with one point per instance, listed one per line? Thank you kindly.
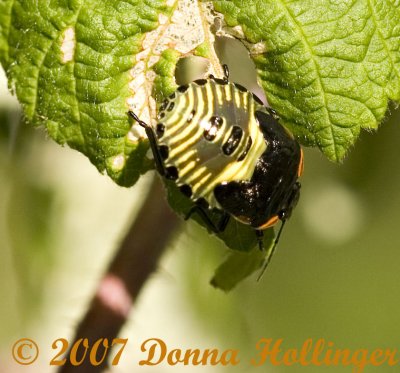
(183, 88)
(240, 87)
(246, 150)
(216, 121)
(190, 116)
(164, 152)
(215, 124)
(160, 129)
(171, 106)
(257, 99)
(163, 105)
(201, 81)
(171, 173)
(220, 81)
(233, 141)
(208, 135)
(202, 203)
(172, 96)
(161, 115)
(186, 190)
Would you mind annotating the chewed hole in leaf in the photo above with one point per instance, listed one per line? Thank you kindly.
(191, 68)
(241, 67)
(182, 31)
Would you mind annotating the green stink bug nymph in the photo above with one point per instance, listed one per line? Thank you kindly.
(226, 151)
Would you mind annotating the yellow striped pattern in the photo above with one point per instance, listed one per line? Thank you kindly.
(200, 163)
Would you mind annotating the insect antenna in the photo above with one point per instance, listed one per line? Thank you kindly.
(271, 251)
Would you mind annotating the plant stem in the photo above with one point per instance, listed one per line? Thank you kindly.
(135, 260)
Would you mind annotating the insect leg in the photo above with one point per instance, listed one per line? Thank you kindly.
(225, 68)
(223, 222)
(153, 143)
(226, 72)
(260, 236)
(216, 228)
(272, 251)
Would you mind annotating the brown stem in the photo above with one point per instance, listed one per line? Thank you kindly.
(135, 260)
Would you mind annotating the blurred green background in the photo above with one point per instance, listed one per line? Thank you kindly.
(335, 274)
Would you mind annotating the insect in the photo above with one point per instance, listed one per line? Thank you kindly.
(227, 152)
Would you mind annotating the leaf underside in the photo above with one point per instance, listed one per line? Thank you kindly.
(237, 267)
(70, 65)
(328, 67)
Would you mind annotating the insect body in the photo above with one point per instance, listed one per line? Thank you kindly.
(227, 152)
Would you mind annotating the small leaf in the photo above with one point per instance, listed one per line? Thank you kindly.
(328, 67)
(240, 265)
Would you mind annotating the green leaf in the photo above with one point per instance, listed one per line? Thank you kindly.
(240, 265)
(328, 67)
(244, 258)
(70, 66)
(5, 10)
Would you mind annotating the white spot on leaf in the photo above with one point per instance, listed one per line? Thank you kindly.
(68, 45)
(162, 19)
(136, 132)
(118, 162)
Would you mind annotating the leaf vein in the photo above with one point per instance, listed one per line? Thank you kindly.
(319, 79)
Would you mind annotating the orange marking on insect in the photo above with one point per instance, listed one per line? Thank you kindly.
(269, 223)
(301, 164)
